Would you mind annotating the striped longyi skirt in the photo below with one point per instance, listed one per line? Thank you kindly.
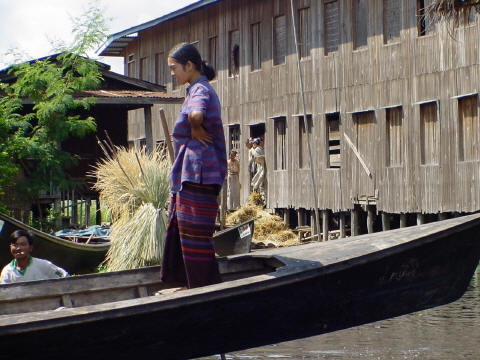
(188, 255)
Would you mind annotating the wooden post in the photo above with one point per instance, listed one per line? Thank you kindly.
(98, 212)
(223, 206)
(74, 208)
(147, 111)
(286, 217)
(370, 218)
(166, 133)
(385, 221)
(325, 225)
(300, 217)
(342, 225)
(87, 211)
(403, 220)
(354, 222)
(312, 223)
(420, 219)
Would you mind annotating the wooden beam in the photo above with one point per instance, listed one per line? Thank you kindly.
(357, 154)
(420, 219)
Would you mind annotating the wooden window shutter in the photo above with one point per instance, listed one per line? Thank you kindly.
(394, 136)
(429, 133)
(392, 20)
(255, 49)
(279, 39)
(212, 51)
(331, 22)
(279, 143)
(468, 128)
(234, 53)
(361, 23)
(304, 31)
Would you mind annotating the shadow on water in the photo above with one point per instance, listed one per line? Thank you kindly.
(446, 332)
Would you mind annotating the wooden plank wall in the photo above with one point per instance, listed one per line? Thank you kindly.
(397, 71)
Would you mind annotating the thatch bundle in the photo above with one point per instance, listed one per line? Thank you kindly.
(448, 10)
(269, 229)
(134, 187)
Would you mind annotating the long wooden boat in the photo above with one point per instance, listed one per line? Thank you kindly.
(76, 258)
(81, 258)
(266, 297)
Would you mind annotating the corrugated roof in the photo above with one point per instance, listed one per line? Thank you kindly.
(117, 42)
(131, 94)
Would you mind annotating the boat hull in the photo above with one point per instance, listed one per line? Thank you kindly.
(323, 297)
(80, 258)
(76, 258)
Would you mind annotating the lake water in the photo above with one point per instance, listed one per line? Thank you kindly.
(449, 332)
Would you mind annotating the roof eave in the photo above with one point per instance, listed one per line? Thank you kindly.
(104, 49)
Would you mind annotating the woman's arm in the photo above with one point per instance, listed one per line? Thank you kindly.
(198, 132)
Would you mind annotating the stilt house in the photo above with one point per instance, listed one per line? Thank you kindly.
(391, 99)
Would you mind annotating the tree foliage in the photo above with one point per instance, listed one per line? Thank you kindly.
(39, 110)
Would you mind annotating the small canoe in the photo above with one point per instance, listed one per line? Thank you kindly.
(267, 297)
(82, 258)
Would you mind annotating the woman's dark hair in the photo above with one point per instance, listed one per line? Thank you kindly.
(185, 52)
(14, 236)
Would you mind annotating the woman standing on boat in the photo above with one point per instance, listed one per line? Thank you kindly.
(197, 174)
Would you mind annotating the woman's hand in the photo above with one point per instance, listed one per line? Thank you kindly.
(197, 131)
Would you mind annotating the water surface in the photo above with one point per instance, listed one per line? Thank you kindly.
(449, 332)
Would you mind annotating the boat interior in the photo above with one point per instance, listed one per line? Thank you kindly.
(93, 289)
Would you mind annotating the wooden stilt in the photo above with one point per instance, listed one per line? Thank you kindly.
(87, 211)
(98, 212)
(286, 217)
(342, 225)
(385, 221)
(403, 220)
(325, 225)
(370, 218)
(420, 219)
(354, 222)
(312, 222)
(442, 216)
(300, 217)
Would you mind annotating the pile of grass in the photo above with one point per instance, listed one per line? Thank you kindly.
(269, 229)
(450, 11)
(135, 189)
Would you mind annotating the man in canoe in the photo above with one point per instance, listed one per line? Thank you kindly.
(24, 267)
(197, 174)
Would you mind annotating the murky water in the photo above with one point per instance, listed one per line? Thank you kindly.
(449, 332)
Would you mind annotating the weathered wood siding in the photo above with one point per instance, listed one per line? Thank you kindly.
(385, 88)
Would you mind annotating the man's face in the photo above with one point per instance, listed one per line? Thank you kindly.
(21, 249)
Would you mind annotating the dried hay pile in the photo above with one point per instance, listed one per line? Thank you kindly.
(268, 229)
(448, 10)
(135, 188)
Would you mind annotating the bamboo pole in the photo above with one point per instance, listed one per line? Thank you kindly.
(307, 124)
(166, 133)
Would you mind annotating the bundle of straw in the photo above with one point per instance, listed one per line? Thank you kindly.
(268, 228)
(447, 10)
(134, 187)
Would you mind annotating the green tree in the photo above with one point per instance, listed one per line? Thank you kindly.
(39, 110)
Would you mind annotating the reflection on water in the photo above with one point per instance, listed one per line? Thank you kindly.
(447, 332)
